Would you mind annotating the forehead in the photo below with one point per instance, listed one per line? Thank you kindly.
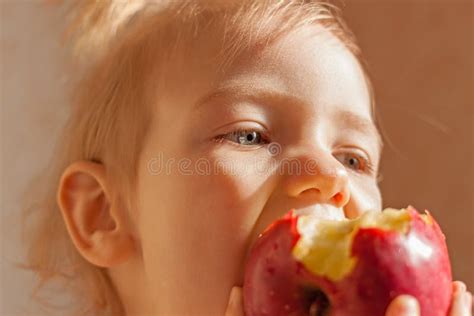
(309, 64)
(309, 61)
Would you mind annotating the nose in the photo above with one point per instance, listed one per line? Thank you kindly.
(321, 178)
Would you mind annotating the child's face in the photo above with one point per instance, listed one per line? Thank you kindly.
(307, 95)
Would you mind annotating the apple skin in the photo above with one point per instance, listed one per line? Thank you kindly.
(275, 283)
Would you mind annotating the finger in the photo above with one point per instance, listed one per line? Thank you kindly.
(403, 305)
(459, 286)
(469, 303)
(235, 306)
(461, 302)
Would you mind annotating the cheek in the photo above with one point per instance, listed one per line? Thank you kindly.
(365, 195)
(204, 217)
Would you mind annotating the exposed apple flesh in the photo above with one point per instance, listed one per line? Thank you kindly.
(302, 265)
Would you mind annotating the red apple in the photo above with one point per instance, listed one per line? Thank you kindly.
(301, 265)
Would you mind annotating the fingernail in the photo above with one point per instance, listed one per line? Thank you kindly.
(459, 286)
(233, 295)
(410, 307)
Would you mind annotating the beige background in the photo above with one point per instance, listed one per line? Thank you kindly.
(421, 58)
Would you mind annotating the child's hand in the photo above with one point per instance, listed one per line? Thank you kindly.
(403, 305)
(461, 304)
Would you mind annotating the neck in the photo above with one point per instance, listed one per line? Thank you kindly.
(130, 283)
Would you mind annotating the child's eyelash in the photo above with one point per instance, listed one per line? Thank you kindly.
(369, 166)
(254, 134)
(364, 164)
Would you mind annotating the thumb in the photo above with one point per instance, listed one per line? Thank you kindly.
(235, 306)
(403, 305)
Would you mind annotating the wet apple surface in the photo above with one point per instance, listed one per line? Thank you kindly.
(303, 265)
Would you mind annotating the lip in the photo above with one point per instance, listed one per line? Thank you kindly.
(325, 211)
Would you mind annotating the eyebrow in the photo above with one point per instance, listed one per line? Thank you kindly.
(269, 96)
(261, 94)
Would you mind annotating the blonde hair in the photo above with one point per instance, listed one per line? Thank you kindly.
(116, 43)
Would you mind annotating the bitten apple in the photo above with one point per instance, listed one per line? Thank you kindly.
(302, 265)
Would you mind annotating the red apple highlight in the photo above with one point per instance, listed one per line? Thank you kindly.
(302, 265)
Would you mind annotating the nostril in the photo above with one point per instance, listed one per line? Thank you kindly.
(338, 198)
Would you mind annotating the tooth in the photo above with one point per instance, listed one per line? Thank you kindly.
(326, 211)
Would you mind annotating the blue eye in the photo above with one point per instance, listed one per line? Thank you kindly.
(244, 137)
(355, 162)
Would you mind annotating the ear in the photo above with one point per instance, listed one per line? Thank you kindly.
(98, 227)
